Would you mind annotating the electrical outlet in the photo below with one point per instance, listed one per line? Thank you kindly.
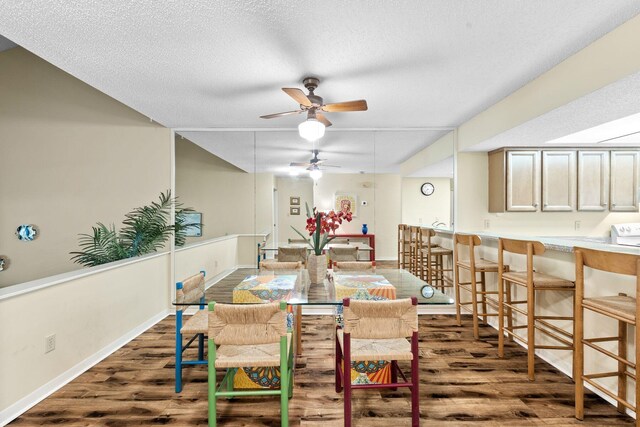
(487, 224)
(419, 220)
(215, 263)
(576, 225)
(49, 343)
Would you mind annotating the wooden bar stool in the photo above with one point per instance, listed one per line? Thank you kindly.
(414, 236)
(532, 281)
(404, 240)
(474, 267)
(624, 309)
(431, 260)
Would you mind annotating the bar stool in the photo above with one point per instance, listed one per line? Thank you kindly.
(624, 309)
(414, 245)
(532, 281)
(474, 267)
(404, 240)
(431, 259)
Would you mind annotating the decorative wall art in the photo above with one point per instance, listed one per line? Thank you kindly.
(294, 210)
(294, 200)
(193, 218)
(346, 202)
(4, 263)
(27, 232)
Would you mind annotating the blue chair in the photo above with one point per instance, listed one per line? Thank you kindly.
(190, 289)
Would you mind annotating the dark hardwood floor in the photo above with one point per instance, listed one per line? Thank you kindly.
(463, 382)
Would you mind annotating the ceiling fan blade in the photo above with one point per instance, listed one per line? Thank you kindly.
(273, 116)
(299, 164)
(330, 166)
(298, 95)
(321, 118)
(360, 105)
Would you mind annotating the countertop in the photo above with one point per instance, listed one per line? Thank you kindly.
(555, 243)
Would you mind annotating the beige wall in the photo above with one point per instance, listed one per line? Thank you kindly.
(293, 187)
(418, 209)
(87, 314)
(382, 192)
(231, 200)
(70, 156)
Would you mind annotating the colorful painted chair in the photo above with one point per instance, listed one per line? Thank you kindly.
(252, 335)
(343, 254)
(377, 330)
(354, 266)
(277, 265)
(191, 289)
(292, 255)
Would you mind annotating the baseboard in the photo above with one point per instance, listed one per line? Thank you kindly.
(21, 406)
(567, 370)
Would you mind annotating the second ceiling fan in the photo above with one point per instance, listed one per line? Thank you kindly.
(314, 105)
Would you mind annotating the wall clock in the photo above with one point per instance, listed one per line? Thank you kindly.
(427, 189)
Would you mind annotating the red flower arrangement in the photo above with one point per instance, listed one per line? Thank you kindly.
(320, 225)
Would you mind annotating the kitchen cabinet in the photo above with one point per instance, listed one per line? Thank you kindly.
(514, 181)
(593, 180)
(558, 181)
(624, 181)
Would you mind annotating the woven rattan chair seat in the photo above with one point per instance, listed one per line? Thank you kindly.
(621, 306)
(540, 280)
(481, 265)
(378, 349)
(239, 356)
(354, 266)
(196, 324)
(438, 250)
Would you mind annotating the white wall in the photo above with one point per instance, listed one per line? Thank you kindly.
(87, 314)
(301, 187)
(382, 192)
(418, 209)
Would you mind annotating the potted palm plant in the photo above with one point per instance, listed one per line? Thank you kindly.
(320, 225)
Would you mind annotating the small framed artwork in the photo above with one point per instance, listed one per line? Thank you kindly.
(193, 218)
(294, 200)
(294, 210)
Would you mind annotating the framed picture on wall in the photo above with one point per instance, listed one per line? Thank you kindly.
(294, 200)
(193, 218)
(346, 202)
(294, 210)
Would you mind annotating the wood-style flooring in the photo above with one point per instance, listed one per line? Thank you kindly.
(463, 382)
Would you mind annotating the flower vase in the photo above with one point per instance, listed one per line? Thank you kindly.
(365, 230)
(317, 266)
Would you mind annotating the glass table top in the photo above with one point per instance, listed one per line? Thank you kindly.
(248, 285)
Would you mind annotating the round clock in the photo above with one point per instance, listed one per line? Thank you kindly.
(427, 189)
(427, 291)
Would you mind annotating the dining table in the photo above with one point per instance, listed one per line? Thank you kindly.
(250, 285)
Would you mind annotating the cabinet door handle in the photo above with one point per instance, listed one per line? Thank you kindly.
(613, 205)
(604, 205)
(535, 205)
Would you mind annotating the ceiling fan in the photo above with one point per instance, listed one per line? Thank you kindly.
(314, 105)
(313, 164)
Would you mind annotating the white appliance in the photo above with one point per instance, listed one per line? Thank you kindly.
(626, 234)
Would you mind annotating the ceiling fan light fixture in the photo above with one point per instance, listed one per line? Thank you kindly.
(311, 129)
(315, 174)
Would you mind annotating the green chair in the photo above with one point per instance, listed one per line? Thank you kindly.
(249, 335)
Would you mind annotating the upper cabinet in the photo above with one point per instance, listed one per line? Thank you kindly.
(558, 181)
(624, 181)
(593, 180)
(514, 181)
(586, 180)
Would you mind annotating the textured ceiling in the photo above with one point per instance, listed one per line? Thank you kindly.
(419, 63)
(612, 102)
